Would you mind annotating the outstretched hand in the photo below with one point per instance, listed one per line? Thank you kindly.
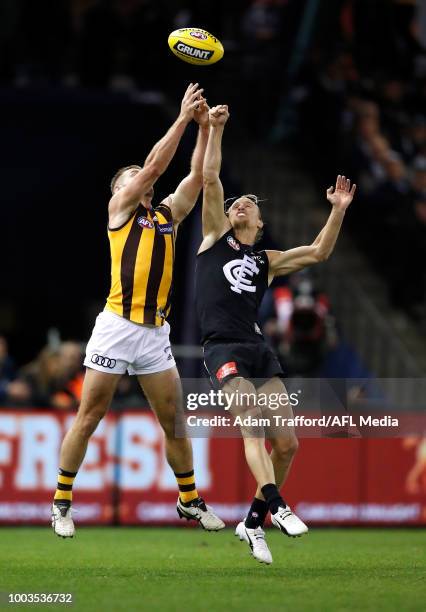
(342, 194)
(218, 115)
(201, 114)
(191, 100)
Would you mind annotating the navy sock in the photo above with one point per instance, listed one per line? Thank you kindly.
(272, 497)
(257, 514)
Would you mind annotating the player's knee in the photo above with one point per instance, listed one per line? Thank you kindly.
(90, 415)
(87, 424)
(286, 448)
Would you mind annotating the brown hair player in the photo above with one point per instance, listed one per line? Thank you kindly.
(131, 333)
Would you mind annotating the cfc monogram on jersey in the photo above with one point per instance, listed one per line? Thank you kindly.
(142, 255)
(230, 281)
(239, 273)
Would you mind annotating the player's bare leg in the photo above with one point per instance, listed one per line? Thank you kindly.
(97, 394)
(282, 455)
(258, 460)
(98, 391)
(284, 441)
(283, 450)
(257, 457)
(164, 393)
(284, 446)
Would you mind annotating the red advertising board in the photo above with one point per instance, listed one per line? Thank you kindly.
(125, 477)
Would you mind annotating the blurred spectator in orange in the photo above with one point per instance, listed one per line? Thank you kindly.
(70, 375)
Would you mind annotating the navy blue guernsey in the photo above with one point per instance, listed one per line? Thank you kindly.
(230, 281)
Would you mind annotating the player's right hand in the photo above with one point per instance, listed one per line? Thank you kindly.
(218, 115)
(190, 101)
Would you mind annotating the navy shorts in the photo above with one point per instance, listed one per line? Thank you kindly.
(251, 360)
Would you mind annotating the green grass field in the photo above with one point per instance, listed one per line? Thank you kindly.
(188, 569)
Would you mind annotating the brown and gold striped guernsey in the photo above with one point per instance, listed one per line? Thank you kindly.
(142, 256)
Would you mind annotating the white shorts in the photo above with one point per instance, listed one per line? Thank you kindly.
(117, 345)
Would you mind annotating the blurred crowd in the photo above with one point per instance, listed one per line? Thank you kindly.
(54, 379)
(361, 104)
(297, 320)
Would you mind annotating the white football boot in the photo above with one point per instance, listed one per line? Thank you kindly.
(199, 511)
(288, 522)
(255, 538)
(62, 522)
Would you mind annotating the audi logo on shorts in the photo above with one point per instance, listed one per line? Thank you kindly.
(105, 362)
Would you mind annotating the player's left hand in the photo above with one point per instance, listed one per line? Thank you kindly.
(342, 194)
(201, 114)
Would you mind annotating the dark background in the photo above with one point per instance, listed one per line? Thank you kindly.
(89, 86)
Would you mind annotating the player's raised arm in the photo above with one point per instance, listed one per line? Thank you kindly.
(183, 200)
(215, 222)
(285, 262)
(127, 196)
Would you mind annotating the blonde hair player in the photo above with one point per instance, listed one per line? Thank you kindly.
(231, 279)
(132, 332)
